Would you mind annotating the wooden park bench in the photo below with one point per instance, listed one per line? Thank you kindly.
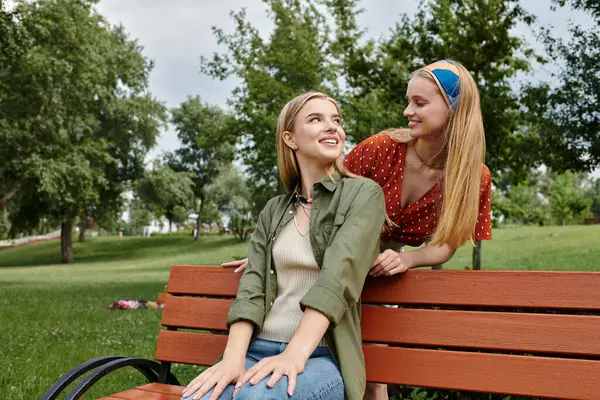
(507, 332)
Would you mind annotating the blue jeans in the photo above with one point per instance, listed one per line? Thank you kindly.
(321, 378)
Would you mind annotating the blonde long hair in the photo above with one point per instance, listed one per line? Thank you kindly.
(464, 146)
(289, 171)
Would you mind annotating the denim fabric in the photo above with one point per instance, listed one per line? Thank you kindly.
(321, 378)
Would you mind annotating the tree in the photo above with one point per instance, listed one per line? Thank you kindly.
(140, 216)
(564, 113)
(231, 194)
(167, 192)
(593, 193)
(207, 135)
(523, 204)
(568, 202)
(293, 59)
(64, 98)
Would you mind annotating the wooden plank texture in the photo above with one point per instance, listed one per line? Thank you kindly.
(189, 347)
(511, 289)
(162, 388)
(152, 391)
(491, 373)
(203, 281)
(137, 394)
(196, 313)
(524, 332)
(468, 371)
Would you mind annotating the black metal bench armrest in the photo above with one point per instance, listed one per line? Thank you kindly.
(74, 374)
(150, 369)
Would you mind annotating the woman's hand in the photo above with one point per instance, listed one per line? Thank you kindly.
(218, 376)
(390, 263)
(286, 363)
(239, 265)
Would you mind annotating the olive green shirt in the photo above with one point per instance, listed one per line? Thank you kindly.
(345, 226)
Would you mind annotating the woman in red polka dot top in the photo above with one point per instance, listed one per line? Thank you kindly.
(435, 184)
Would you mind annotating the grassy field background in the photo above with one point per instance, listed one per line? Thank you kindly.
(54, 317)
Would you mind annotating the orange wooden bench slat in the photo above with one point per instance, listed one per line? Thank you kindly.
(162, 388)
(566, 334)
(518, 332)
(213, 281)
(189, 347)
(457, 370)
(511, 289)
(197, 313)
(138, 394)
(493, 373)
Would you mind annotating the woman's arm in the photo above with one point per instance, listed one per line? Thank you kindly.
(229, 369)
(391, 262)
(292, 361)
(249, 303)
(309, 333)
(238, 340)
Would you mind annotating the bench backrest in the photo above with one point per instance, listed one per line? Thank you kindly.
(508, 332)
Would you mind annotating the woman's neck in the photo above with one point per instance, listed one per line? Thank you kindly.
(310, 174)
(430, 152)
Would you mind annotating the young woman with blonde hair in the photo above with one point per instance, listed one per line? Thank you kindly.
(294, 328)
(435, 183)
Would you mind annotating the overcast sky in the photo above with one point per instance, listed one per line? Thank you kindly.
(176, 33)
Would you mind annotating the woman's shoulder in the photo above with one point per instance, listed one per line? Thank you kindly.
(388, 138)
(275, 202)
(486, 175)
(360, 184)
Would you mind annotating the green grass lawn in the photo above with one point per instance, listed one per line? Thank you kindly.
(54, 316)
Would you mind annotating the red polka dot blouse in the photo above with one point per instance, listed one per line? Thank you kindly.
(382, 159)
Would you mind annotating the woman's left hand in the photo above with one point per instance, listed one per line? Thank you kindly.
(285, 363)
(390, 263)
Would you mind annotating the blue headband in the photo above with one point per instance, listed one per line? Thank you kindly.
(446, 76)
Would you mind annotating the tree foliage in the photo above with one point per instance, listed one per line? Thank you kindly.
(232, 195)
(76, 115)
(564, 112)
(167, 192)
(292, 59)
(207, 137)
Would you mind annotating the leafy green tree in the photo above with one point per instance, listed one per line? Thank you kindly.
(293, 59)
(167, 192)
(523, 204)
(568, 201)
(593, 193)
(564, 112)
(207, 135)
(231, 193)
(140, 216)
(75, 112)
